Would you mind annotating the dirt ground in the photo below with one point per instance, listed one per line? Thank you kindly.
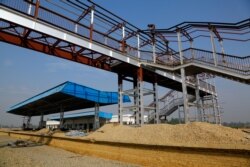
(46, 156)
(188, 135)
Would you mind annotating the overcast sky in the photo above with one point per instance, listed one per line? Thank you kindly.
(25, 73)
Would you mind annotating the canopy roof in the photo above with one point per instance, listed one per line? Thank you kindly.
(102, 114)
(67, 96)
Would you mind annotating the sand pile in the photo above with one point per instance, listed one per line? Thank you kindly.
(192, 134)
(43, 131)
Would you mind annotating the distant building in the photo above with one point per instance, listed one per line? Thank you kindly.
(127, 119)
(79, 121)
(52, 124)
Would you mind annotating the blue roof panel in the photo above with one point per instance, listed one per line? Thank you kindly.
(70, 95)
(40, 96)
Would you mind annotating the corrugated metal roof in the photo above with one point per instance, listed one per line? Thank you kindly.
(69, 95)
(102, 114)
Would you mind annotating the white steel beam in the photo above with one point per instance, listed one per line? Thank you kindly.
(37, 25)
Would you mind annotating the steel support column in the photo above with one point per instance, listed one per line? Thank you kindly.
(183, 78)
(204, 118)
(136, 102)
(28, 122)
(218, 112)
(61, 116)
(120, 95)
(197, 96)
(96, 121)
(214, 109)
(140, 95)
(41, 121)
(156, 104)
(179, 114)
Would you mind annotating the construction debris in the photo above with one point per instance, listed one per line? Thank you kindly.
(75, 133)
(19, 143)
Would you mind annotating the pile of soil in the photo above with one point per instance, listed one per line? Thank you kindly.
(43, 131)
(192, 134)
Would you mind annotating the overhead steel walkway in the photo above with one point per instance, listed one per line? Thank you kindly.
(84, 32)
(197, 61)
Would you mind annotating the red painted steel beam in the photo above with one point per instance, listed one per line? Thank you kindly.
(41, 47)
(140, 74)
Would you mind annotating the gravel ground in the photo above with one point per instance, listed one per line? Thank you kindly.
(45, 156)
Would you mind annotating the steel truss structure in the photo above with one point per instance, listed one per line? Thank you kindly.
(86, 33)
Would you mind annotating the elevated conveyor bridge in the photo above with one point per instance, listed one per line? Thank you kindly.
(84, 32)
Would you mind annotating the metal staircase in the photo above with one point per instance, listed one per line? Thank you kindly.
(170, 102)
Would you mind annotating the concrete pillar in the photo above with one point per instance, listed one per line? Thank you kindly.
(183, 78)
(120, 99)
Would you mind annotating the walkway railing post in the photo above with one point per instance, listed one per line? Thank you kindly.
(91, 24)
(183, 78)
(123, 39)
(213, 46)
(138, 46)
(30, 8)
(37, 8)
(222, 51)
(154, 54)
(76, 28)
